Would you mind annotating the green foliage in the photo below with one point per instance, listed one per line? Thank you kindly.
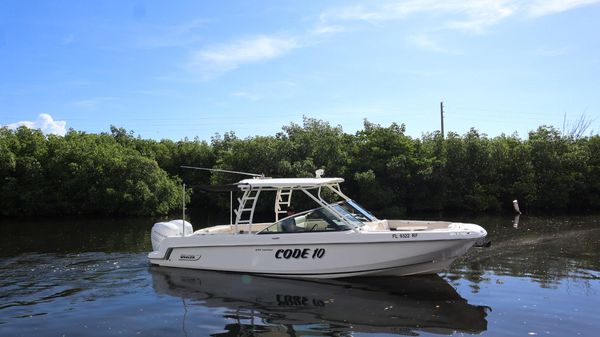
(389, 172)
(81, 174)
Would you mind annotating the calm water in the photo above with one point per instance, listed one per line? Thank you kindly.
(91, 278)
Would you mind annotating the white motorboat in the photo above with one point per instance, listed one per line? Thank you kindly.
(336, 239)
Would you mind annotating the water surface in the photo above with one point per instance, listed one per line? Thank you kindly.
(541, 276)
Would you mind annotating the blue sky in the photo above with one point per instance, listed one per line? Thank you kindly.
(174, 69)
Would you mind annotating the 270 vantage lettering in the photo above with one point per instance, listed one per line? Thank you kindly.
(300, 253)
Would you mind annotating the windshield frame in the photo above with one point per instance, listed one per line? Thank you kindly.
(370, 217)
(329, 214)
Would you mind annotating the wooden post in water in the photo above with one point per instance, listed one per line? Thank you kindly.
(516, 206)
(516, 220)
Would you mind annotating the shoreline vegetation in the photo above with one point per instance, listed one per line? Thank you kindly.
(389, 172)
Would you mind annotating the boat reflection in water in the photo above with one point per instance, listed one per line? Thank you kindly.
(260, 306)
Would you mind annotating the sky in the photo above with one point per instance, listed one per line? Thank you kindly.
(176, 69)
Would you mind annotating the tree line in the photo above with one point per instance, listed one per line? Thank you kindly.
(118, 174)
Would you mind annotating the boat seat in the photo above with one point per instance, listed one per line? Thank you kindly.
(289, 226)
(380, 225)
(410, 228)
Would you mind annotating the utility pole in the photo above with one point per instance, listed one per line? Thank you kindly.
(442, 117)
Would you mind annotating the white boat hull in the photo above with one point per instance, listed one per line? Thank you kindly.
(320, 255)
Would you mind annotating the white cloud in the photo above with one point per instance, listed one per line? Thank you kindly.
(225, 57)
(547, 7)
(425, 42)
(475, 15)
(480, 15)
(45, 123)
(246, 95)
(468, 15)
(326, 29)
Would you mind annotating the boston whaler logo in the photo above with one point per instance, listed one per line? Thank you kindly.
(189, 257)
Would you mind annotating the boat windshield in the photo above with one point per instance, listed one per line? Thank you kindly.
(322, 219)
(358, 211)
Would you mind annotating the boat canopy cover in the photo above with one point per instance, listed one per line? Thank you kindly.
(288, 182)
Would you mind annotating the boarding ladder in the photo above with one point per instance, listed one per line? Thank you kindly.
(245, 214)
(283, 198)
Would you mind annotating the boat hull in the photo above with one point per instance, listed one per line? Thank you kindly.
(324, 256)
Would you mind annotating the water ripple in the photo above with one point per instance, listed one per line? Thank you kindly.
(36, 284)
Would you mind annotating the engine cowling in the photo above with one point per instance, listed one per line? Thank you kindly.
(162, 230)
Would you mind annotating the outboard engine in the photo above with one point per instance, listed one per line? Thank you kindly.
(162, 230)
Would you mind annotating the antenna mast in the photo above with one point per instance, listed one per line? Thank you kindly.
(183, 210)
(225, 171)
